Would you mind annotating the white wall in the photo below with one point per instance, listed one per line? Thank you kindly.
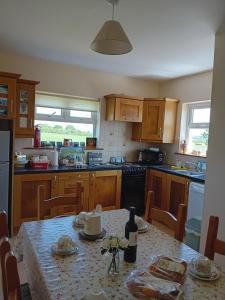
(215, 194)
(115, 137)
(186, 89)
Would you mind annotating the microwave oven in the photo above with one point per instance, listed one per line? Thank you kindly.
(153, 157)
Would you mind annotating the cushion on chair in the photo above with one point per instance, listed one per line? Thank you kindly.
(25, 291)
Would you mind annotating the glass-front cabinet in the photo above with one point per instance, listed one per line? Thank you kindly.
(25, 107)
(8, 95)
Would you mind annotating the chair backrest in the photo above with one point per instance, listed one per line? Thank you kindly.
(166, 218)
(3, 224)
(4, 248)
(213, 244)
(62, 205)
(12, 277)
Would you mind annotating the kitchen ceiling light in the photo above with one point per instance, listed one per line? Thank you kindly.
(111, 39)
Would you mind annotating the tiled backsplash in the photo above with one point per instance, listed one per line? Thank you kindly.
(115, 139)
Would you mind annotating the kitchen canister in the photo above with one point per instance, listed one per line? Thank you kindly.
(54, 157)
(92, 224)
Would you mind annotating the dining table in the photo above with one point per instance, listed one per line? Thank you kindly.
(70, 277)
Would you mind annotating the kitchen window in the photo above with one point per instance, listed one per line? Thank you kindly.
(66, 117)
(197, 129)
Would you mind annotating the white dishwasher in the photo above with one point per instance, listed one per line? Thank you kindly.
(194, 215)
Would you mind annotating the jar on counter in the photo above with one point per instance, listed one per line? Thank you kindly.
(183, 147)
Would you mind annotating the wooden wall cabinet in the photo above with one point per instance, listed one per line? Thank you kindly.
(25, 108)
(67, 186)
(159, 121)
(123, 108)
(170, 190)
(8, 95)
(27, 190)
(105, 189)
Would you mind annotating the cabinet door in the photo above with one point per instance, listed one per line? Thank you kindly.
(105, 189)
(128, 110)
(7, 97)
(177, 192)
(67, 186)
(153, 119)
(25, 106)
(28, 190)
(157, 183)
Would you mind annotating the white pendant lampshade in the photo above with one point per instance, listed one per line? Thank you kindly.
(111, 39)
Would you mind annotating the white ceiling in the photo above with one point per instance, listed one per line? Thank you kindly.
(171, 38)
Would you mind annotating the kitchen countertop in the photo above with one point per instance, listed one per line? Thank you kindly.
(194, 176)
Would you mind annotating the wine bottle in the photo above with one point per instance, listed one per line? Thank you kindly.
(131, 232)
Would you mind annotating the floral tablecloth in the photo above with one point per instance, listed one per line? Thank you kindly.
(73, 277)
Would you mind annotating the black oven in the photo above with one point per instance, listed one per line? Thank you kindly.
(133, 189)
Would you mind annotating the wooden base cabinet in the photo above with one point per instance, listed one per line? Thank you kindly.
(67, 186)
(105, 189)
(170, 190)
(28, 189)
(156, 181)
(177, 192)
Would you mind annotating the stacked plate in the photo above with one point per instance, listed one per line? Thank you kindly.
(210, 275)
(142, 225)
(64, 251)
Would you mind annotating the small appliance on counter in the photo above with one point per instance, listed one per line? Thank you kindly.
(151, 156)
(71, 157)
(118, 160)
(20, 160)
(94, 158)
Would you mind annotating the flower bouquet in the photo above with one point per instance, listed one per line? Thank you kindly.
(112, 244)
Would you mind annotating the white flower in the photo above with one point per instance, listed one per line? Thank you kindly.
(123, 243)
(112, 242)
(106, 244)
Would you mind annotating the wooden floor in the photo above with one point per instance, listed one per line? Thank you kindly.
(22, 271)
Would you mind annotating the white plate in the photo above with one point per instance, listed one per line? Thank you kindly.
(214, 275)
(143, 228)
(63, 252)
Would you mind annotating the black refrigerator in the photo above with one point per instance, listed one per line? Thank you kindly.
(6, 156)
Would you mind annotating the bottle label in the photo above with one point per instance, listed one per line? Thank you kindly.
(133, 238)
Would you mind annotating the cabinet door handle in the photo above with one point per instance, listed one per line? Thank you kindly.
(55, 180)
(39, 201)
(160, 132)
(31, 123)
(11, 106)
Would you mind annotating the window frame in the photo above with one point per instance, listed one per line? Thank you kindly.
(189, 123)
(66, 118)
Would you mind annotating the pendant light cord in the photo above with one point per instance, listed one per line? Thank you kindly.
(113, 5)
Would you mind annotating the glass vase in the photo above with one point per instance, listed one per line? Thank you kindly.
(114, 261)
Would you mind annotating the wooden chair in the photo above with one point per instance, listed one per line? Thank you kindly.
(213, 244)
(12, 289)
(3, 224)
(4, 248)
(166, 218)
(61, 205)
